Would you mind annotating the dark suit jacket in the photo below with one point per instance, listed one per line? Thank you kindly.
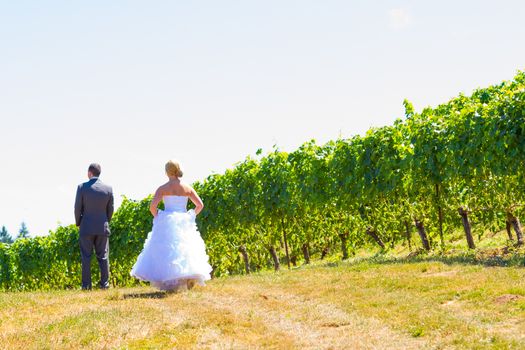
(94, 207)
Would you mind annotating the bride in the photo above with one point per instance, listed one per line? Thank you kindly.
(174, 255)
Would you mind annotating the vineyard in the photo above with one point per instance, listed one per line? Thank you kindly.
(458, 167)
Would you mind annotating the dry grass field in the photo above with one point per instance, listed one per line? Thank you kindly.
(350, 305)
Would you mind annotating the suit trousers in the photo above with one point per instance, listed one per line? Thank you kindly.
(101, 245)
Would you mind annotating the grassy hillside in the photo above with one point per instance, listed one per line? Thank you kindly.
(373, 303)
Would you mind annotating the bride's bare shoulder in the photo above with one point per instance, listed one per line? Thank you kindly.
(186, 189)
(163, 189)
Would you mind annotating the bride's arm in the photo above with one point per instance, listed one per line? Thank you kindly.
(194, 197)
(155, 202)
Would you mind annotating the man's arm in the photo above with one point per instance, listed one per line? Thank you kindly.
(109, 207)
(79, 206)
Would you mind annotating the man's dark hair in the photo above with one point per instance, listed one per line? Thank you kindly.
(94, 169)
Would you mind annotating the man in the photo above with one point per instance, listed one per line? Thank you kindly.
(93, 212)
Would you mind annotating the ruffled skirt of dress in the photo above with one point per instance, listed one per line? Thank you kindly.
(173, 253)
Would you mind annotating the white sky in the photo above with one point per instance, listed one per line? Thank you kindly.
(130, 84)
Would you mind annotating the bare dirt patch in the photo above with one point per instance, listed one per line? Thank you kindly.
(507, 298)
(450, 273)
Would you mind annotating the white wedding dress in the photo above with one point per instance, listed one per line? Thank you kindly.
(174, 252)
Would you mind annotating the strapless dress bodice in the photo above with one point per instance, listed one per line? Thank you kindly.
(175, 203)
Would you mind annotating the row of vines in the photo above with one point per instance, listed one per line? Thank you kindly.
(459, 166)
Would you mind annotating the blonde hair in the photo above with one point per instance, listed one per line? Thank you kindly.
(173, 168)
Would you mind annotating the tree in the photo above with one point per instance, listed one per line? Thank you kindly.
(5, 237)
(23, 232)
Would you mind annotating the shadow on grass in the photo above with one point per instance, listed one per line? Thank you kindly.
(484, 257)
(150, 295)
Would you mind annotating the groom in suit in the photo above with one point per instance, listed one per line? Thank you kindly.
(93, 211)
